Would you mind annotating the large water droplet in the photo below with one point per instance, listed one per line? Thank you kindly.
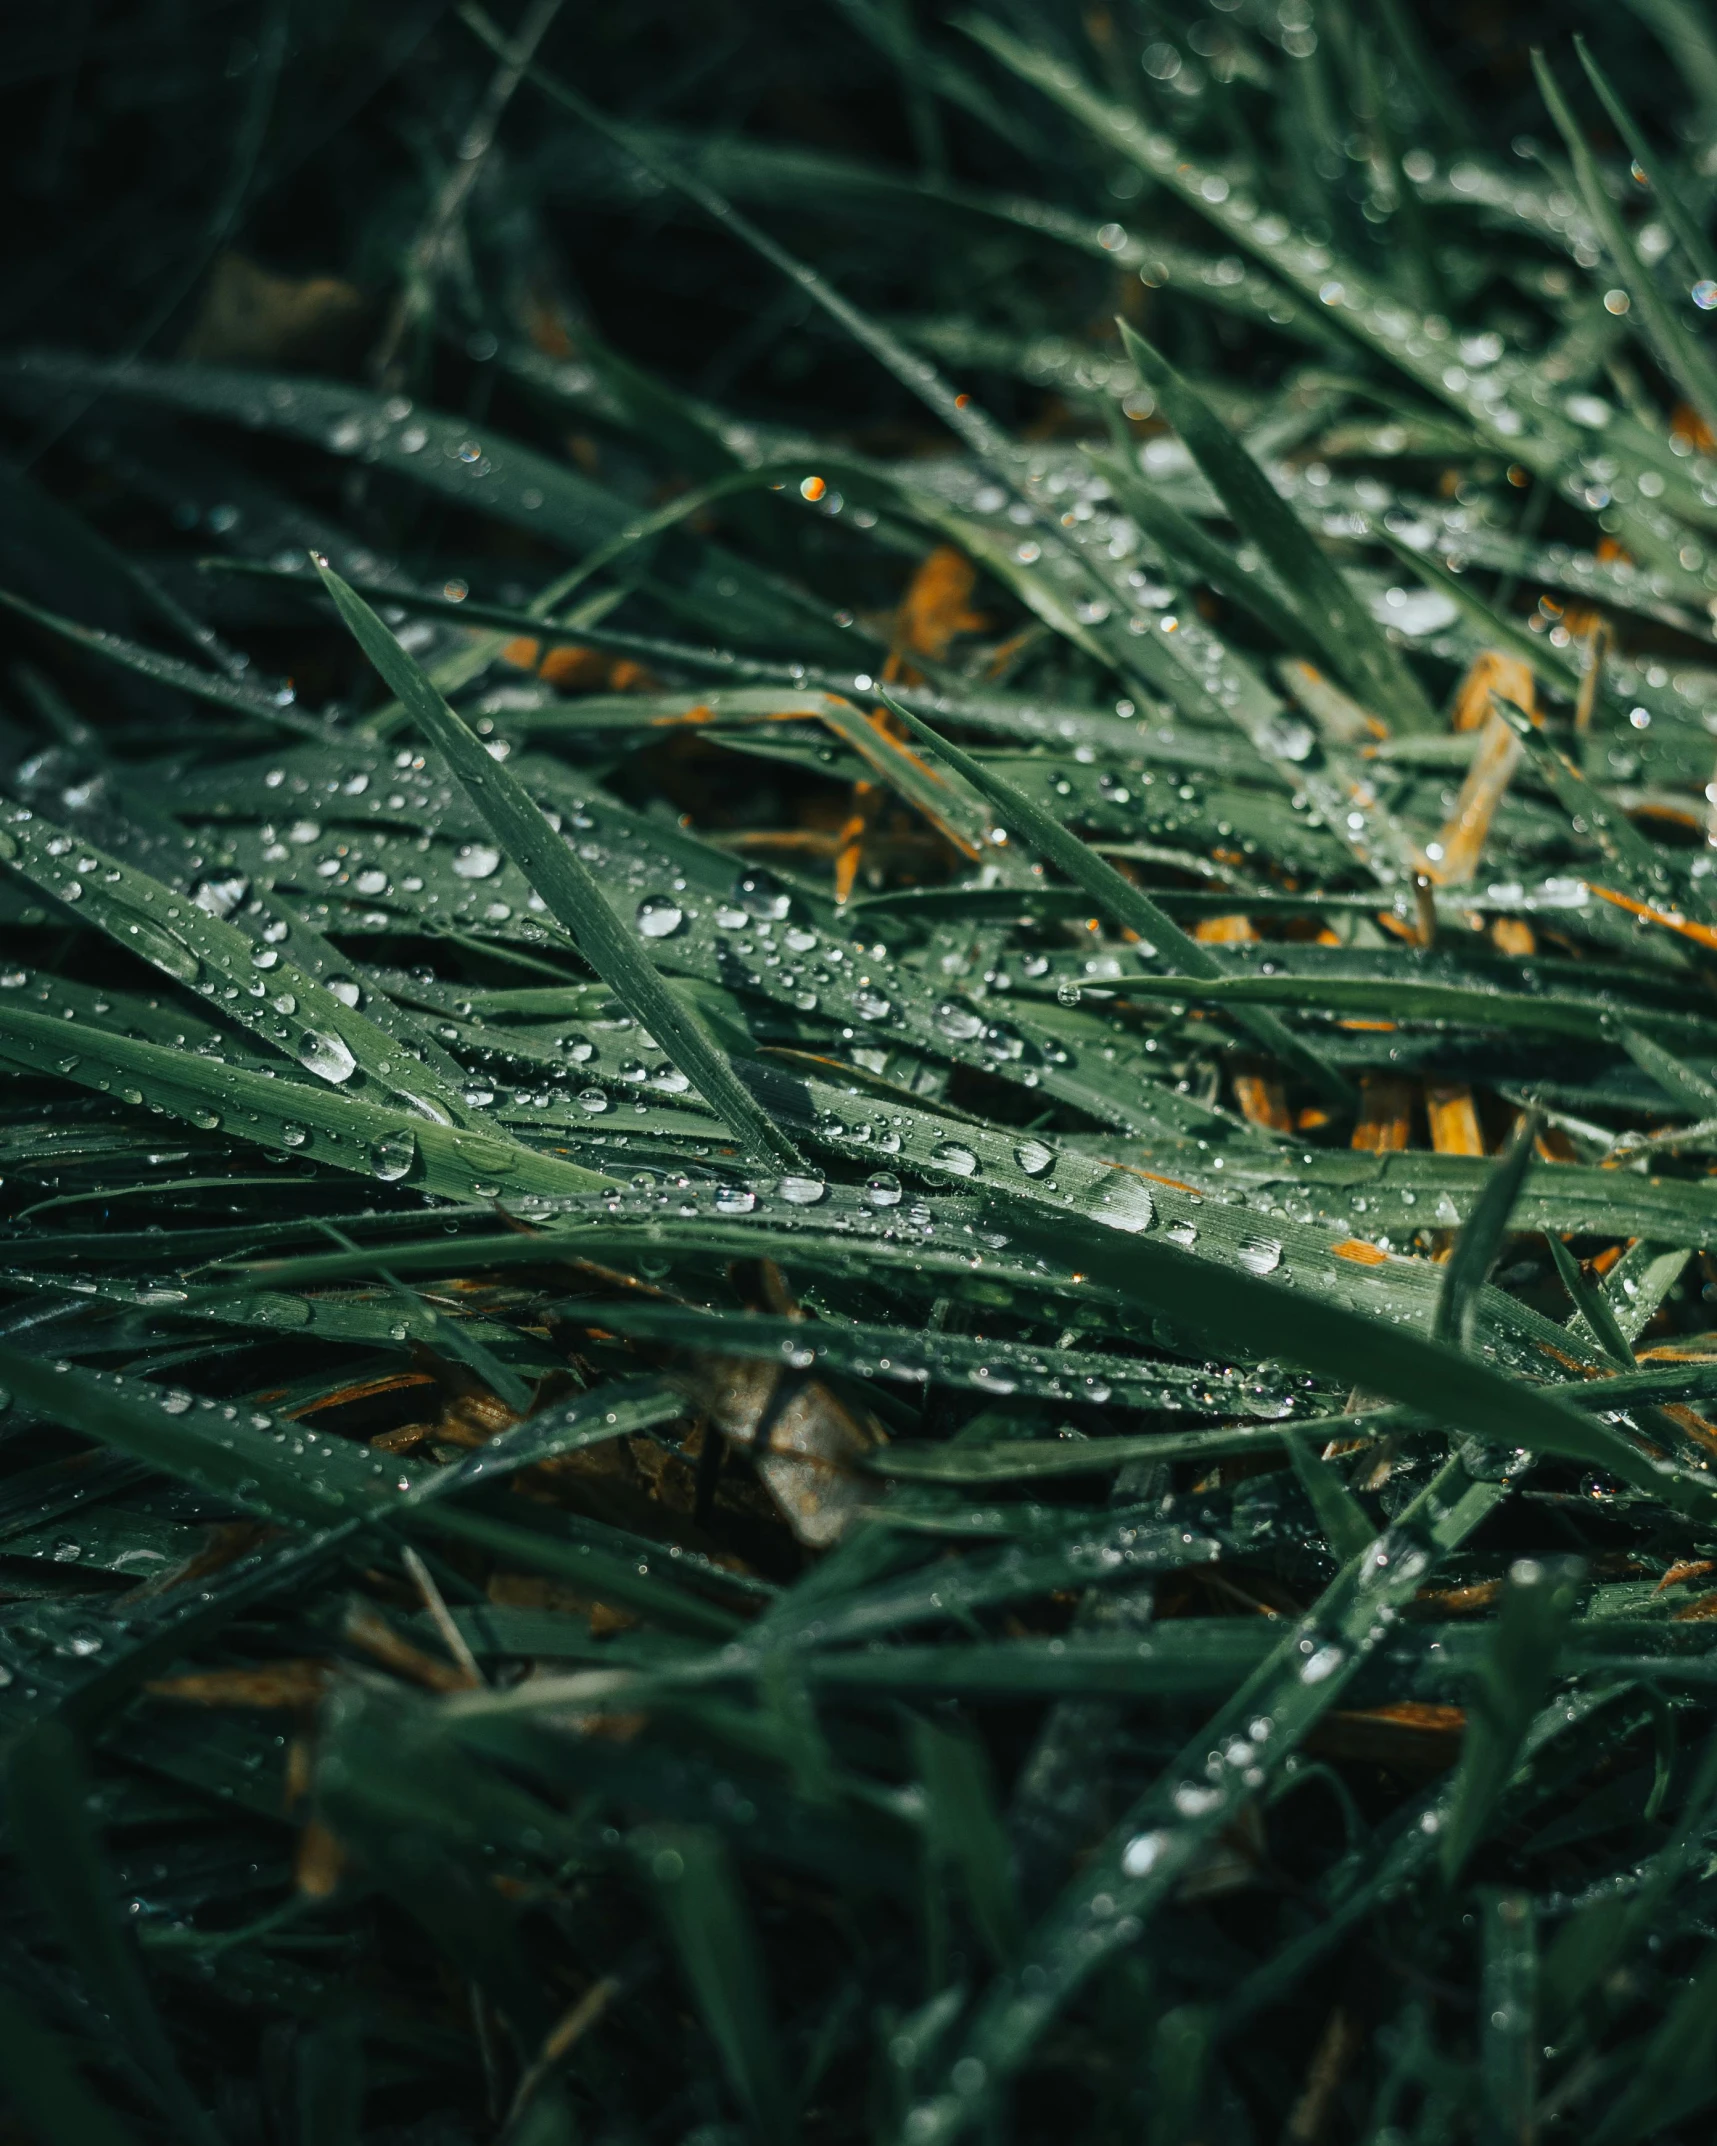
(1142, 1853)
(762, 897)
(476, 860)
(392, 1156)
(950, 1155)
(1033, 1157)
(883, 1190)
(294, 1136)
(1260, 1255)
(659, 916)
(734, 1200)
(326, 1056)
(802, 1191)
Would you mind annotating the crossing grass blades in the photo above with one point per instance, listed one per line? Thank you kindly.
(855, 1275)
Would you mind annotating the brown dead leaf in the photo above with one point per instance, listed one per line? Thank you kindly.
(250, 316)
(807, 1446)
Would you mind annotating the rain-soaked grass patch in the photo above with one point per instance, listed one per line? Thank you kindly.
(860, 1084)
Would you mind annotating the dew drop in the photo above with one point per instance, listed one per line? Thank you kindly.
(952, 1156)
(659, 916)
(326, 1056)
(391, 1157)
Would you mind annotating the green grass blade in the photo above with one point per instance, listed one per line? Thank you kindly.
(1340, 1514)
(1129, 906)
(570, 890)
(1674, 346)
(699, 1895)
(45, 2088)
(1666, 197)
(1538, 1604)
(47, 1809)
(1481, 1237)
(966, 1832)
(1592, 1304)
(1331, 612)
(1509, 2031)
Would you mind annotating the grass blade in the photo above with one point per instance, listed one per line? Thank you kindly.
(698, 1893)
(1129, 906)
(1331, 612)
(47, 1806)
(566, 885)
(1481, 1237)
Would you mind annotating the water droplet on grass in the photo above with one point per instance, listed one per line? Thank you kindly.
(391, 1157)
(326, 1056)
(659, 916)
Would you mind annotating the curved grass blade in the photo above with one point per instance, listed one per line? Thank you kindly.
(699, 1894)
(1480, 1240)
(47, 1808)
(163, 670)
(965, 1831)
(1665, 194)
(260, 987)
(1592, 1304)
(1128, 905)
(293, 1116)
(1136, 1871)
(1538, 1605)
(1675, 348)
(1340, 1514)
(1330, 611)
(45, 2087)
(1423, 1374)
(568, 887)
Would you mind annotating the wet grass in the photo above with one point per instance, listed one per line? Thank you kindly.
(859, 1082)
